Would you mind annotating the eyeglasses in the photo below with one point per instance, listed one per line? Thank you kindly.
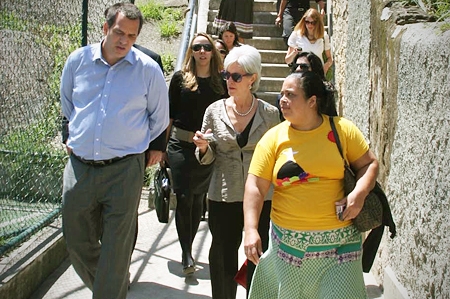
(235, 76)
(198, 47)
(303, 67)
(310, 22)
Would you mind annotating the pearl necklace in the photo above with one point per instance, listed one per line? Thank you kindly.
(246, 113)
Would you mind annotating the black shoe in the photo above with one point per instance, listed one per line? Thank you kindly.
(188, 265)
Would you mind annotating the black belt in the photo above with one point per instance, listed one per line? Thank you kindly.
(100, 162)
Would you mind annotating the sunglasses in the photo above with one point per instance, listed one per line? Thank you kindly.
(310, 22)
(303, 66)
(198, 47)
(222, 51)
(235, 76)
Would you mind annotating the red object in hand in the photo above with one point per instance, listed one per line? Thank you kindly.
(241, 275)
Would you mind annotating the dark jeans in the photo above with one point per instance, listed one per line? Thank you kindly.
(226, 222)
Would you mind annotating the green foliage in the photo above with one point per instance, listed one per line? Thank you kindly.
(61, 41)
(442, 9)
(10, 21)
(168, 29)
(438, 8)
(152, 11)
(168, 63)
(175, 14)
(168, 18)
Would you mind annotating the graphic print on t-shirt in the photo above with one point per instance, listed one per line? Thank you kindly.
(291, 173)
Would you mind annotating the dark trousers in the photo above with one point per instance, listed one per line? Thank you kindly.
(99, 221)
(226, 222)
(187, 219)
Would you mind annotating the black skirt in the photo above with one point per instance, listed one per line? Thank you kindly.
(188, 175)
(240, 12)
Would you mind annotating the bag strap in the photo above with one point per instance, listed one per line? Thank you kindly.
(336, 138)
(338, 143)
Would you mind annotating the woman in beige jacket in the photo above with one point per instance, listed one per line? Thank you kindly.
(236, 123)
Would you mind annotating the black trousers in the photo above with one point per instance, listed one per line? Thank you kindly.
(226, 223)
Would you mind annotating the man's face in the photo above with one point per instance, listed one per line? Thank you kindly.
(119, 38)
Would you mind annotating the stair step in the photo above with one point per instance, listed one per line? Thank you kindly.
(275, 70)
(267, 43)
(263, 30)
(268, 96)
(271, 84)
(259, 17)
(264, 17)
(272, 56)
(258, 5)
(265, 5)
(267, 30)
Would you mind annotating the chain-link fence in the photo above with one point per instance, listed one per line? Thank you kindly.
(37, 37)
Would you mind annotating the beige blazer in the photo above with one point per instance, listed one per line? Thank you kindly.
(231, 163)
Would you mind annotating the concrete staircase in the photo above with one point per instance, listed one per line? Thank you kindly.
(267, 39)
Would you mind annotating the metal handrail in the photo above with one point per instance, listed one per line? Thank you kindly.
(190, 26)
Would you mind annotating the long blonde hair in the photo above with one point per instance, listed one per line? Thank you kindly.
(319, 29)
(215, 67)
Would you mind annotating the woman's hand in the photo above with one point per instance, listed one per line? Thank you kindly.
(366, 170)
(291, 52)
(200, 141)
(353, 205)
(252, 245)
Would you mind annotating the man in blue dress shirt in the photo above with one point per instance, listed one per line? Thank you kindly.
(116, 101)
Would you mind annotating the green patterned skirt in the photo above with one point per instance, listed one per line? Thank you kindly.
(310, 265)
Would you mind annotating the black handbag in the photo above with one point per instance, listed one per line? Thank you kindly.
(371, 215)
(161, 183)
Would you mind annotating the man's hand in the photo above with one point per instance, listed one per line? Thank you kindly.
(153, 157)
(278, 21)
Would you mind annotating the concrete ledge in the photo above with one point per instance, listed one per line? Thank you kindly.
(393, 289)
(23, 271)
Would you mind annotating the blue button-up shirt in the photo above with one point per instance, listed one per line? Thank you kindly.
(116, 110)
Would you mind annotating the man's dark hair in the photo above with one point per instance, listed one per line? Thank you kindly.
(129, 10)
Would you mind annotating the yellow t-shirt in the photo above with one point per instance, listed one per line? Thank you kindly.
(307, 172)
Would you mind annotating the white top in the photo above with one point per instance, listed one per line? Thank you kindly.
(299, 41)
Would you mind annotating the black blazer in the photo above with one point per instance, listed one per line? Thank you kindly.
(158, 144)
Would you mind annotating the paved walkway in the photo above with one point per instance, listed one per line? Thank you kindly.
(156, 270)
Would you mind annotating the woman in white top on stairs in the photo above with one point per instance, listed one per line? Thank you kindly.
(309, 35)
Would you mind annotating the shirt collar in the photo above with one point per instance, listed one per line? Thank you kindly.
(130, 57)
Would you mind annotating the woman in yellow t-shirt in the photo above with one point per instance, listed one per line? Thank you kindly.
(312, 253)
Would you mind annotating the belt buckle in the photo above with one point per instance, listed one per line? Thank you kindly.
(100, 163)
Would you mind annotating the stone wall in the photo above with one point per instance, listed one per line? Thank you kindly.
(393, 80)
